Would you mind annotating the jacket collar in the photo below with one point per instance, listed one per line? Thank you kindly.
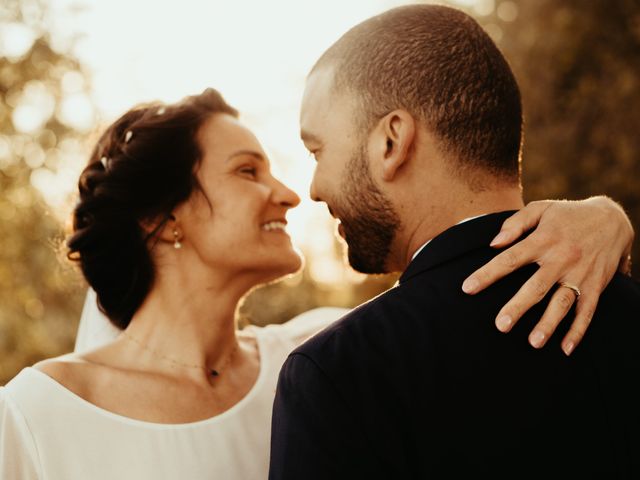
(456, 241)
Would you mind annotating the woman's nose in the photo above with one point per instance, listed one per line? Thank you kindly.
(285, 196)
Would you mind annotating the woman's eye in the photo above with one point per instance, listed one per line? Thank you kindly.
(250, 171)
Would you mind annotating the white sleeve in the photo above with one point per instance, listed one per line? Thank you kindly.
(307, 324)
(18, 453)
(95, 329)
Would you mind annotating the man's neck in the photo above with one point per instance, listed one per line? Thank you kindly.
(436, 219)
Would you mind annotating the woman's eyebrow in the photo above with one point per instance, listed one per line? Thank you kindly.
(252, 153)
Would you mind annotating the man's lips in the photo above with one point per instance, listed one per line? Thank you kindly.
(339, 227)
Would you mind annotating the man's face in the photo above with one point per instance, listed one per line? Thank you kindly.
(342, 177)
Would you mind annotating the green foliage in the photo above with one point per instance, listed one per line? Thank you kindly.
(281, 301)
(40, 296)
(578, 65)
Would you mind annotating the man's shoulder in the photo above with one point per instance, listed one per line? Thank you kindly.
(621, 294)
(370, 324)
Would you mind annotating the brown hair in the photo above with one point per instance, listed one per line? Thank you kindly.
(437, 63)
(141, 168)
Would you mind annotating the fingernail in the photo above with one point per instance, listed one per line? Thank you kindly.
(568, 348)
(504, 322)
(501, 237)
(470, 285)
(536, 339)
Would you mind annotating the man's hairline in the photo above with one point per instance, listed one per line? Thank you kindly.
(364, 127)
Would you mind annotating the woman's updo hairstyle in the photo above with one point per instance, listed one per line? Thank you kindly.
(141, 168)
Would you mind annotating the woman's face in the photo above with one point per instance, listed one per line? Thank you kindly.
(238, 224)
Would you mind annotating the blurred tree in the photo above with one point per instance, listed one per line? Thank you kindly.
(281, 301)
(40, 298)
(578, 65)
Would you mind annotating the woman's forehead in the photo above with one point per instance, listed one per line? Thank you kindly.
(223, 134)
(223, 139)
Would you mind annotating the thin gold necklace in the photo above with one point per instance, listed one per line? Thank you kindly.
(214, 372)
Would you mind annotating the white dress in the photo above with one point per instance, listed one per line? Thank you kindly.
(49, 433)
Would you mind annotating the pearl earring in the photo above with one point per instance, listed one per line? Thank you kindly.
(176, 239)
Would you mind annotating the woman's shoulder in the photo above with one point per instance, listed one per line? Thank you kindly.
(295, 331)
(27, 395)
(26, 383)
(18, 452)
(11, 390)
(69, 370)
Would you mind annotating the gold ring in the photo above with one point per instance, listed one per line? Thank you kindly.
(575, 289)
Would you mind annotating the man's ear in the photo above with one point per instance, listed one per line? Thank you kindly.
(397, 130)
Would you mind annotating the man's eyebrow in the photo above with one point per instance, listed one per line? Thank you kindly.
(251, 153)
(308, 137)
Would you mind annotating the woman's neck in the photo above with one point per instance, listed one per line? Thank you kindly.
(193, 321)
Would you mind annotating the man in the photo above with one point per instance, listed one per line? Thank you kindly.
(414, 118)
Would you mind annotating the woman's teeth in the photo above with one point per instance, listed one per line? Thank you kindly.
(274, 226)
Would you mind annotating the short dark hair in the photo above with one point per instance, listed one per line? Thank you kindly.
(141, 168)
(441, 66)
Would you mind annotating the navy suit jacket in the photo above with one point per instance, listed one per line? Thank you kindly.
(419, 383)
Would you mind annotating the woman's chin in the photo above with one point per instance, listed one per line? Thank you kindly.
(287, 265)
(295, 262)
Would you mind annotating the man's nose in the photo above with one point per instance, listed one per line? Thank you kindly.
(313, 189)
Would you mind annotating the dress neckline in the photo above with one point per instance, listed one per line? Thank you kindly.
(230, 412)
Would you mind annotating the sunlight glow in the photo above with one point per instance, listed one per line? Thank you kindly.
(33, 107)
(257, 54)
(77, 112)
(507, 11)
(479, 7)
(15, 40)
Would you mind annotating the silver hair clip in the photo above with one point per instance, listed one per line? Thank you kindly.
(161, 111)
(105, 162)
(127, 136)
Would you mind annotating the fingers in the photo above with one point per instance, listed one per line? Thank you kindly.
(584, 313)
(500, 266)
(529, 294)
(520, 222)
(624, 267)
(580, 242)
(559, 305)
(561, 302)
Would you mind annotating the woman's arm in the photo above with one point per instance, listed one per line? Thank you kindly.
(582, 243)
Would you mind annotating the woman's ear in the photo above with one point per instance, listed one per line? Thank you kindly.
(163, 227)
(397, 129)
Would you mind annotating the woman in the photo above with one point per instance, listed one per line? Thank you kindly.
(179, 217)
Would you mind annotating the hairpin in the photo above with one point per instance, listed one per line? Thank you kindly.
(105, 162)
(161, 111)
(127, 136)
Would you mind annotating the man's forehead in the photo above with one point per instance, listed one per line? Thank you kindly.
(316, 104)
(319, 85)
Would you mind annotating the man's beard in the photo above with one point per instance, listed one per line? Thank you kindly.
(368, 218)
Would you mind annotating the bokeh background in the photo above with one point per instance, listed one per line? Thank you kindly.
(69, 67)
